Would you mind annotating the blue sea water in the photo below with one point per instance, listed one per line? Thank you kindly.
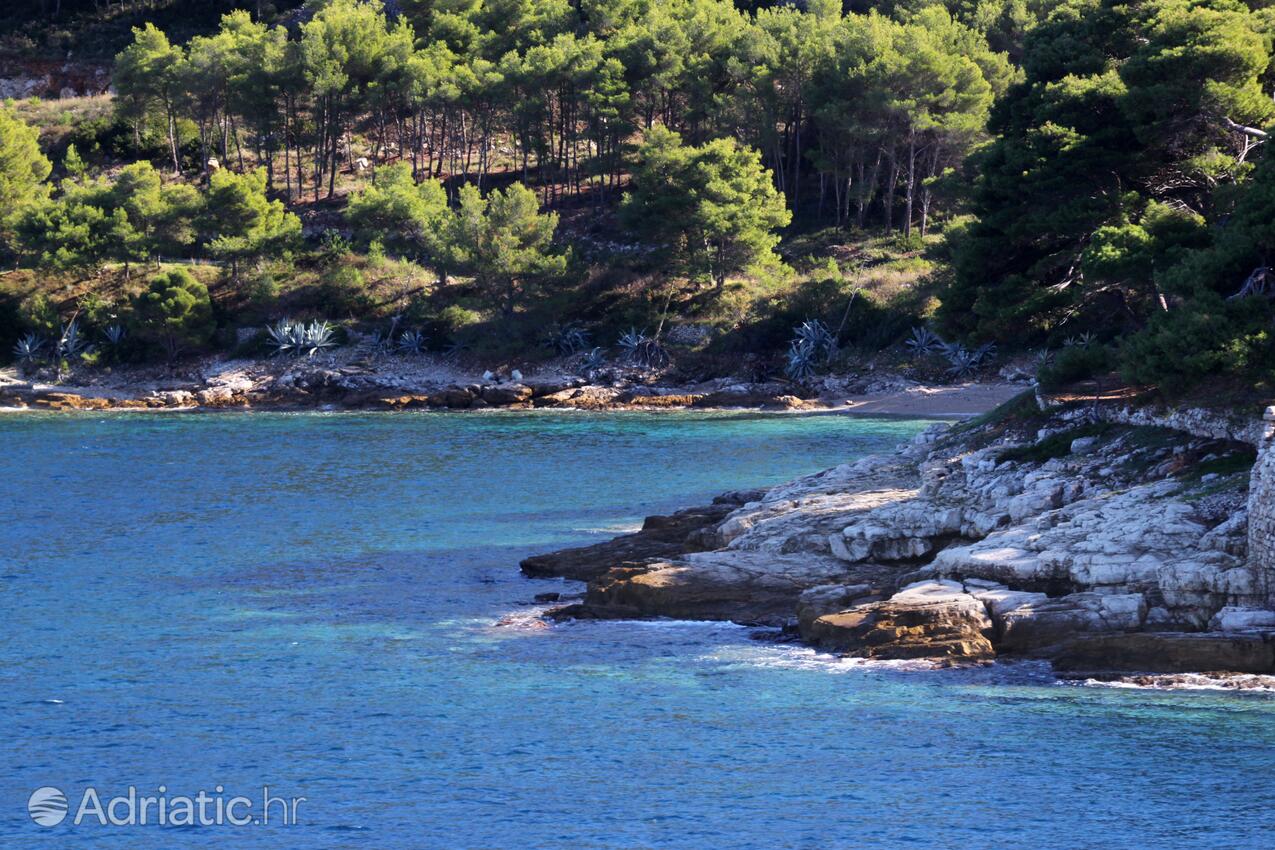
(329, 605)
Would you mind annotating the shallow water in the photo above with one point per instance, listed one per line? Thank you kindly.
(314, 603)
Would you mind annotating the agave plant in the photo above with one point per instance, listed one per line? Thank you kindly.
(642, 350)
(1084, 340)
(375, 343)
(568, 340)
(71, 342)
(454, 349)
(922, 340)
(962, 363)
(283, 335)
(595, 358)
(816, 335)
(114, 335)
(630, 341)
(27, 349)
(799, 362)
(411, 342)
(317, 336)
(298, 338)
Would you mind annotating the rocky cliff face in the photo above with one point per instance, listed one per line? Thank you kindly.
(1261, 510)
(1055, 535)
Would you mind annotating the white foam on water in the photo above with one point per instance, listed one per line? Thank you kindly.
(529, 619)
(710, 625)
(789, 657)
(618, 528)
(1227, 682)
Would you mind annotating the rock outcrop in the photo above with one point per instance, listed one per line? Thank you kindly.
(660, 537)
(930, 619)
(1041, 535)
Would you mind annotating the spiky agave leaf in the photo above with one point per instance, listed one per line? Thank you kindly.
(568, 340)
(922, 340)
(27, 349)
(284, 336)
(630, 341)
(799, 361)
(71, 342)
(815, 333)
(963, 363)
(316, 336)
(593, 359)
(411, 342)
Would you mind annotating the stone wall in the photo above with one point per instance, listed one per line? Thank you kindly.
(1261, 509)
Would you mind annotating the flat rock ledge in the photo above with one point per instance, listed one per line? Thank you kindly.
(1099, 546)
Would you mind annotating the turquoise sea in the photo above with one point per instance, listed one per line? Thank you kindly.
(330, 606)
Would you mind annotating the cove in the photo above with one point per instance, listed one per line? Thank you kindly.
(330, 605)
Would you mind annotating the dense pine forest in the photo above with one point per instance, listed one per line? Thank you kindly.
(1087, 179)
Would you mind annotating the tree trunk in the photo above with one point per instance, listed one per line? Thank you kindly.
(911, 186)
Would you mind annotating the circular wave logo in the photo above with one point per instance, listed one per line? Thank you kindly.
(47, 806)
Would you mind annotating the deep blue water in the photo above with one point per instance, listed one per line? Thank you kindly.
(313, 603)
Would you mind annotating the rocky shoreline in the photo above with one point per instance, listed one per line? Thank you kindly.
(1096, 540)
(420, 384)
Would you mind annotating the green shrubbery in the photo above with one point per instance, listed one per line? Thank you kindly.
(174, 313)
(1075, 363)
(1209, 337)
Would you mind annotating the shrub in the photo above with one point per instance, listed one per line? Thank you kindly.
(98, 311)
(454, 318)
(1075, 363)
(343, 292)
(37, 313)
(1208, 336)
(262, 289)
(174, 312)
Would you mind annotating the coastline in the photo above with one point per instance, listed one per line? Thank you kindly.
(395, 385)
(1114, 551)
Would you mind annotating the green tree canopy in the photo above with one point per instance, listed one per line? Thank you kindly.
(241, 223)
(713, 209)
(505, 243)
(1123, 107)
(408, 218)
(173, 312)
(23, 168)
(148, 77)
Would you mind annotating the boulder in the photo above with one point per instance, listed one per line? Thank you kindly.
(505, 394)
(830, 599)
(404, 402)
(1037, 623)
(1238, 619)
(933, 620)
(557, 398)
(452, 397)
(899, 532)
(70, 401)
(660, 400)
(592, 398)
(176, 398)
(743, 587)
